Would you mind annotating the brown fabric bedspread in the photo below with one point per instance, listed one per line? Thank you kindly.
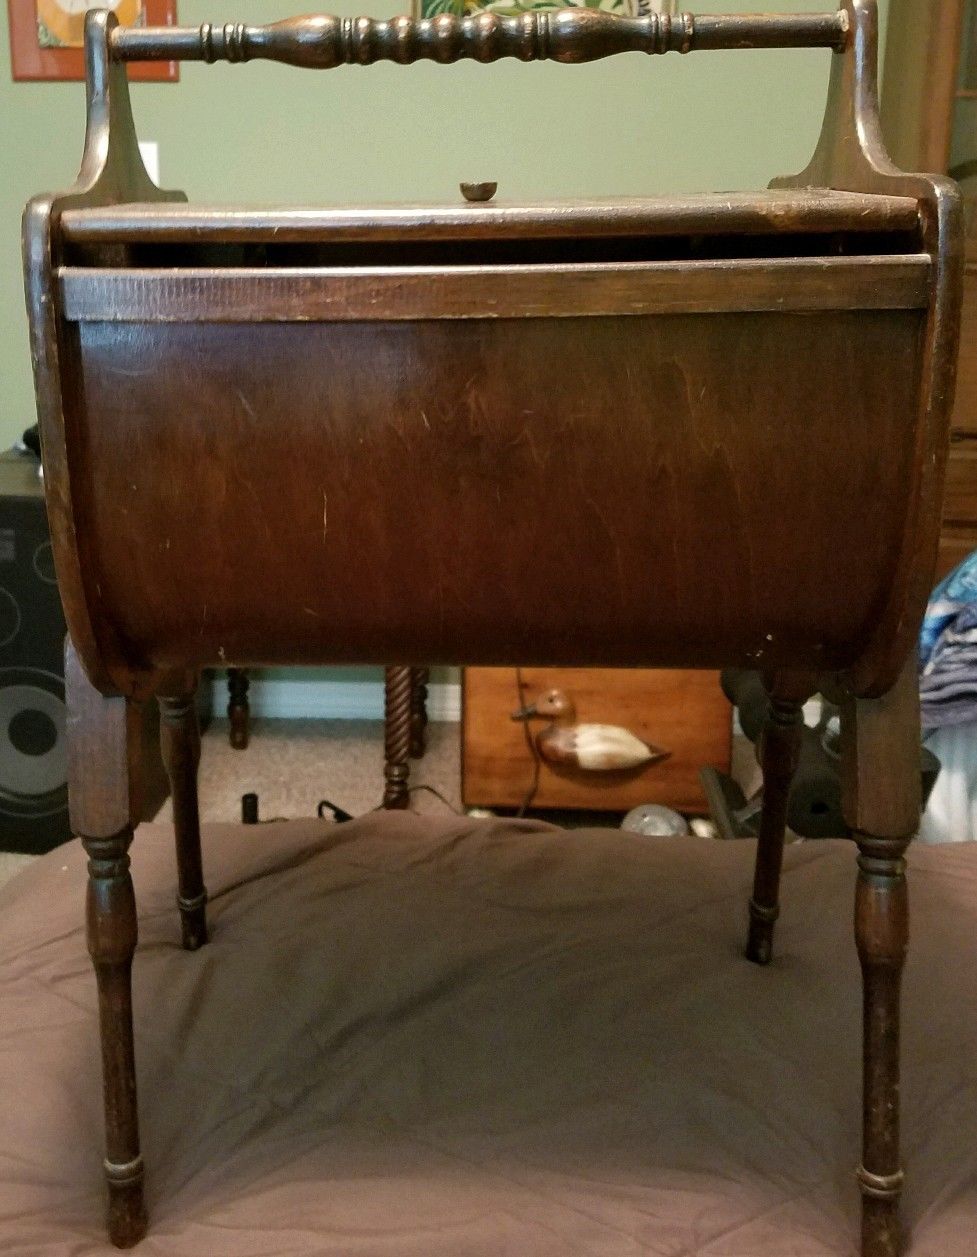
(480, 1039)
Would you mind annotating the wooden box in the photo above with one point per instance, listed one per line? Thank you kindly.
(682, 712)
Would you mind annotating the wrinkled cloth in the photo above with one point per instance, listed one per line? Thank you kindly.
(948, 650)
(416, 1037)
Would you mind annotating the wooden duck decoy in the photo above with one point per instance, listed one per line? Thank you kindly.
(593, 747)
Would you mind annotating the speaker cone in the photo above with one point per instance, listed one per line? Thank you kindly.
(33, 759)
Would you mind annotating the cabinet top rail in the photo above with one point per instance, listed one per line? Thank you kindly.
(569, 36)
(776, 210)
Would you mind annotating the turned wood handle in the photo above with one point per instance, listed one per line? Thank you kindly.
(569, 36)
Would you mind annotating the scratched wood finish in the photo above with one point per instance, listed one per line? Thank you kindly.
(860, 173)
(252, 295)
(561, 518)
(815, 210)
(684, 713)
(751, 487)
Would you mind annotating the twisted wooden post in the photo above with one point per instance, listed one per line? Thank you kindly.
(397, 737)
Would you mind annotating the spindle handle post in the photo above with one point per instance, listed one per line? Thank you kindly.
(569, 36)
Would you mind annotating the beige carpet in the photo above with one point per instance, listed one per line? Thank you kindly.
(292, 764)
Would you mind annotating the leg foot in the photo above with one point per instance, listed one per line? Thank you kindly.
(127, 1210)
(180, 744)
(881, 1226)
(779, 750)
(396, 743)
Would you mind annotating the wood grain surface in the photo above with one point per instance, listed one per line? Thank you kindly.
(819, 210)
(450, 492)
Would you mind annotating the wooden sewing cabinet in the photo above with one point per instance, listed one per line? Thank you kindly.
(689, 431)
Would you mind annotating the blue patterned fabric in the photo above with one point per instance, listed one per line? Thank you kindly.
(948, 650)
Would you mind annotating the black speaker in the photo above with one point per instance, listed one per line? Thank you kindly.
(33, 763)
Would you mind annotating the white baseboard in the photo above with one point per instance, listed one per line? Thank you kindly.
(285, 699)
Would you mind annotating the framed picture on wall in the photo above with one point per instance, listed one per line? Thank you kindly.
(513, 8)
(47, 36)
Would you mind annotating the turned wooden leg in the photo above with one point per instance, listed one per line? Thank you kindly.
(238, 709)
(880, 765)
(779, 749)
(418, 711)
(102, 736)
(179, 733)
(396, 740)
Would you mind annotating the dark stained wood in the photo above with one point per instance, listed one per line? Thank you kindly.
(819, 210)
(102, 799)
(553, 504)
(959, 533)
(922, 73)
(418, 711)
(723, 446)
(111, 171)
(956, 543)
(570, 36)
(398, 724)
(851, 155)
(965, 407)
(880, 760)
(780, 745)
(243, 295)
(180, 743)
(238, 709)
(103, 757)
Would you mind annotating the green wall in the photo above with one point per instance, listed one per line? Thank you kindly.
(260, 132)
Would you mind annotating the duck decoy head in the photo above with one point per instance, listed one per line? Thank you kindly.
(552, 705)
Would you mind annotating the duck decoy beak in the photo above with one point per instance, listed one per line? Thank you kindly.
(524, 713)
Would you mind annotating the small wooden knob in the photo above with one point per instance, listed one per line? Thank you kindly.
(478, 191)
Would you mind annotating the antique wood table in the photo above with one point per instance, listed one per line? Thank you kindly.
(711, 428)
